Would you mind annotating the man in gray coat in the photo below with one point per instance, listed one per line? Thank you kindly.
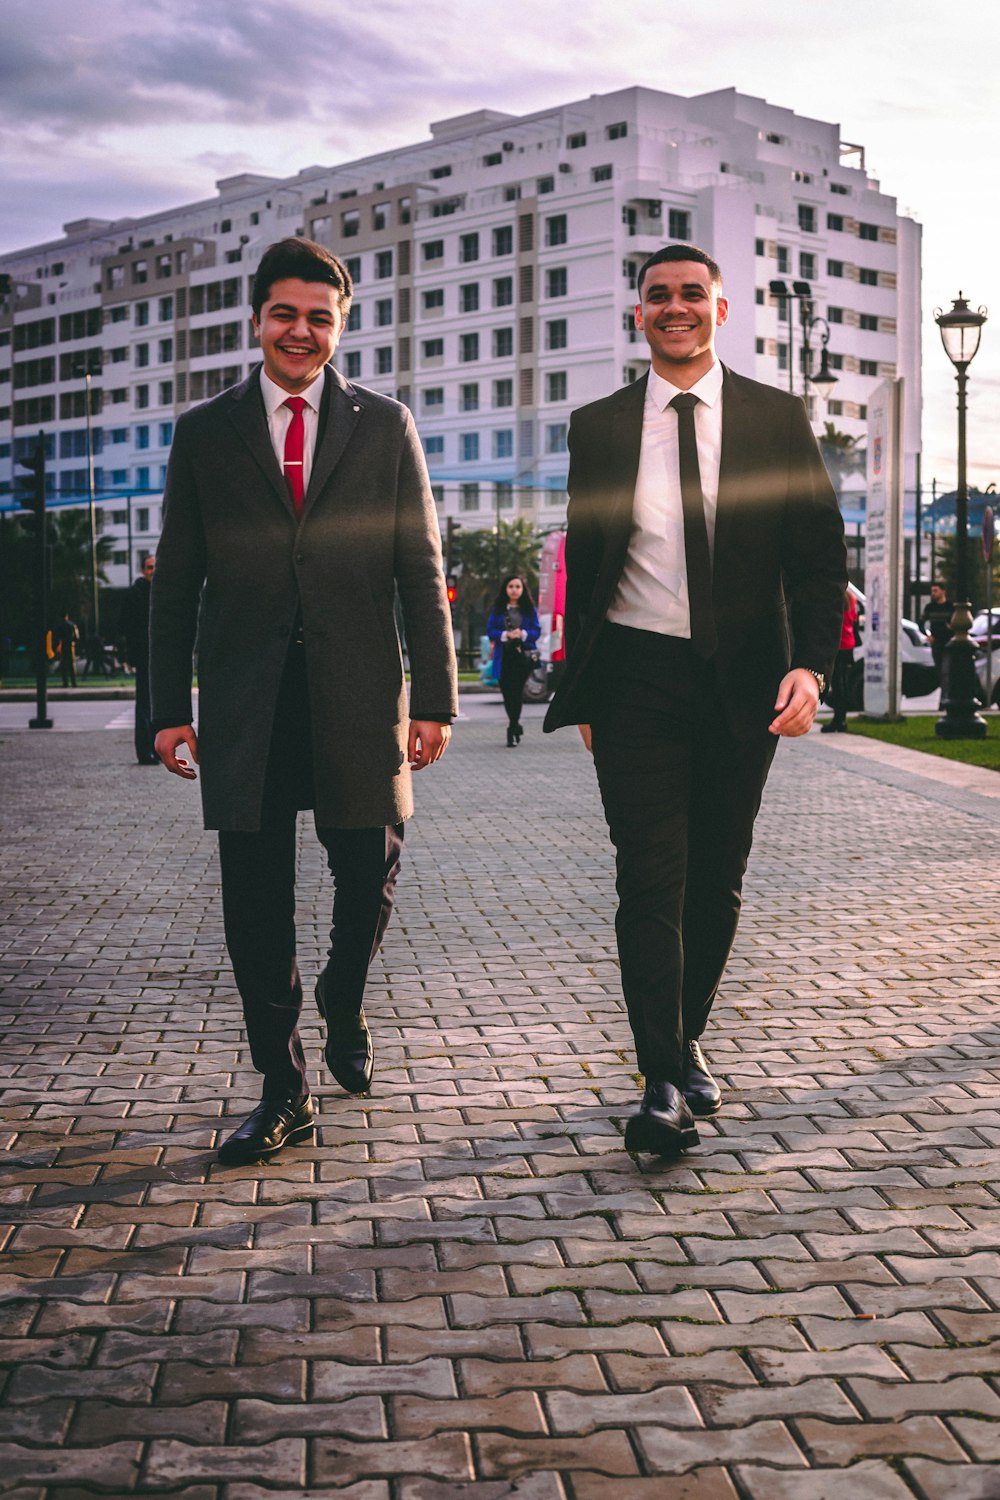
(297, 507)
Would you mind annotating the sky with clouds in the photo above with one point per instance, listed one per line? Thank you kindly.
(112, 108)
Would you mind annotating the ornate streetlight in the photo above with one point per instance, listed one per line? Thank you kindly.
(824, 380)
(960, 333)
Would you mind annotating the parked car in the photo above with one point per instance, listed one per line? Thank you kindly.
(919, 675)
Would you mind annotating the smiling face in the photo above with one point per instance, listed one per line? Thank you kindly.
(299, 328)
(515, 589)
(679, 313)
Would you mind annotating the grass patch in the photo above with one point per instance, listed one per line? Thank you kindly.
(916, 732)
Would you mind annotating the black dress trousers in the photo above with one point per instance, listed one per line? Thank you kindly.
(258, 899)
(680, 795)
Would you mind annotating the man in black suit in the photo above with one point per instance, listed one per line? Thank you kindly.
(705, 570)
(297, 509)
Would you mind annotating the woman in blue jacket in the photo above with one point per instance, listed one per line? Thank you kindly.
(513, 627)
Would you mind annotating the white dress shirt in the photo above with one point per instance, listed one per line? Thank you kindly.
(279, 417)
(652, 592)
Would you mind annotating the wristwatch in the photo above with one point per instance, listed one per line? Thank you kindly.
(819, 678)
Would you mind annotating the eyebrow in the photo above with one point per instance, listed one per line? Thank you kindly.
(310, 312)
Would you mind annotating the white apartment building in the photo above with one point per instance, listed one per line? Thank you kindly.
(494, 266)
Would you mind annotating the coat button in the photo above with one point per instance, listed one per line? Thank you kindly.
(299, 557)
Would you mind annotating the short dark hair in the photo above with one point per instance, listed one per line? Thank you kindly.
(680, 252)
(302, 260)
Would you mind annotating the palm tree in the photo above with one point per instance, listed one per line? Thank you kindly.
(841, 454)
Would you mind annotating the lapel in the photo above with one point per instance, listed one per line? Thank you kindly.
(737, 437)
(626, 442)
(341, 411)
(249, 417)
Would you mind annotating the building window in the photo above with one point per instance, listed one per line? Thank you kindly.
(807, 218)
(758, 247)
(468, 348)
(432, 250)
(760, 346)
(166, 392)
(383, 265)
(165, 351)
(601, 174)
(433, 397)
(443, 171)
(575, 141)
(835, 222)
(867, 276)
(555, 385)
(166, 309)
(142, 437)
(383, 312)
(555, 230)
(166, 434)
(468, 447)
(869, 322)
(555, 282)
(352, 365)
(503, 393)
(807, 265)
(835, 361)
(140, 396)
(468, 297)
(468, 248)
(835, 268)
(503, 343)
(383, 361)
(432, 349)
(503, 240)
(759, 296)
(679, 224)
(835, 314)
(350, 224)
(868, 231)
(545, 185)
(555, 437)
(141, 355)
(468, 497)
(353, 324)
(434, 446)
(503, 291)
(784, 260)
(782, 356)
(437, 490)
(352, 265)
(468, 397)
(492, 159)
(503, 443)
(555, 334)
(380, 216)
(432, 300)
(617, 131)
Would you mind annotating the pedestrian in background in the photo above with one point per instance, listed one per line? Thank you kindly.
(135, 626)
(840, 677)
(67, 636)
(513, 627)
(936, 620)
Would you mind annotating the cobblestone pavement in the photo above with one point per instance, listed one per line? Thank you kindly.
(467, 1288)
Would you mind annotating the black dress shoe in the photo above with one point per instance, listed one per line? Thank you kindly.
(273, 1124)
(703, 1095)
(348, 1052)
(664, 1124)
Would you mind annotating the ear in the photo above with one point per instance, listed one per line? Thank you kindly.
(721, 312)
(638, 315)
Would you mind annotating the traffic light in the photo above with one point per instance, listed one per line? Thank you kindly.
(452, 585)
(32, 495)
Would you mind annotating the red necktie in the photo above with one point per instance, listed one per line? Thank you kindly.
(295, 444)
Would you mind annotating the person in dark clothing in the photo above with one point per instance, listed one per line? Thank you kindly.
(513, 627)
(840, 678)
(67, 636)
(135, 625)
(936, 620)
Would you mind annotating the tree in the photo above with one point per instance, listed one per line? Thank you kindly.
(68, 535)
(841, 454)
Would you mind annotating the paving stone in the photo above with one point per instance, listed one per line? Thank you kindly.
(514, 1411)
(509, 1457)
(527, 1487)
(259, 1421)
(169, 1463)
(443, 1456)
(708, 1483)
(943, 1481)
(963, 1394)
(573, 1372)
(840, 1443)
(870, 1479)
(669, 1451)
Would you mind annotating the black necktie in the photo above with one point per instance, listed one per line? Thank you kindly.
(699, 562)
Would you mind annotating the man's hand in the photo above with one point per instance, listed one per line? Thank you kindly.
(585, 736)
(166, 746)
(427, 743)
(797, 702)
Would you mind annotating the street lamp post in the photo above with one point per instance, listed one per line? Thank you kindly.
(960, 333)
(824, 380)
(800, 291)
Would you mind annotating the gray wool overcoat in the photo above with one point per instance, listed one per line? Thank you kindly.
(236, 570)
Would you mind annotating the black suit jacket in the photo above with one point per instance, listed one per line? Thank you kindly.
(779, 569)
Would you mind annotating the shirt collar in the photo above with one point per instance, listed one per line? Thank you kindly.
(275, 395)
(707, 389)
